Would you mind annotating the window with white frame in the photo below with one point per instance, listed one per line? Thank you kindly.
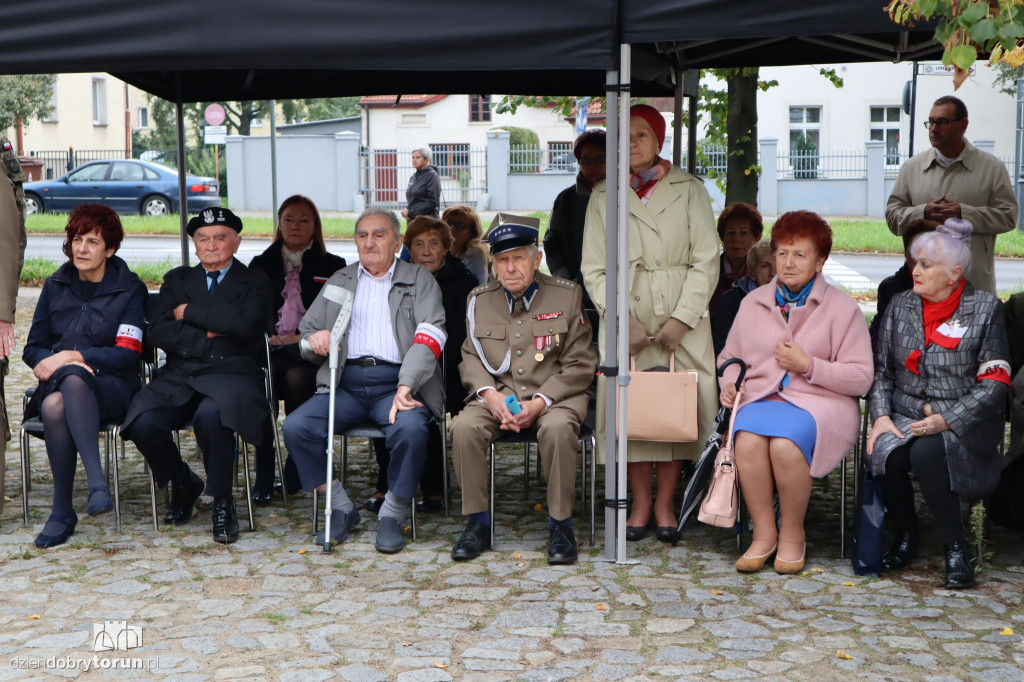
(885, 127)
(804, 122)
(143, 118)
(99, 101)
(53, 117)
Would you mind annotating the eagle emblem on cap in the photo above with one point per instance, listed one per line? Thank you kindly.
(208, 216)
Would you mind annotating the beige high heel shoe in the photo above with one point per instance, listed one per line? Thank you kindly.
(752, 564)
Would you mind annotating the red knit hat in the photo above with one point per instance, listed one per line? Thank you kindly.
(653, 118)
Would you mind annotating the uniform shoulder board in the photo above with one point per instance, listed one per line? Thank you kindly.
(558, 281)
(485, 287)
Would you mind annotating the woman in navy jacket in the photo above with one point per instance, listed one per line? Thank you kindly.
(84, 348)
(297, 264)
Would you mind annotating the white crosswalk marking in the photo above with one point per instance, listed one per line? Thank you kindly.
(846, 278)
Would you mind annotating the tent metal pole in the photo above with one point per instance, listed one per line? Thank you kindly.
(625, 69)
(273, 159)
(677, 121)
(609, 328)
(179, 113)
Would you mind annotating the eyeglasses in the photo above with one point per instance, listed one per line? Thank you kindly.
(592, 160)
(458, 227)
(939, 122)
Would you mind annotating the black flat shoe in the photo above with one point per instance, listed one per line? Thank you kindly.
(636, 533)
(474, 540)
(58, 535)
(225, 521)
(666, 533)
(562, 546)
(183, 499)
(959, 568)
(902, 551)
(100, 501)
(429, 505)
(262, 497)
(374, 504)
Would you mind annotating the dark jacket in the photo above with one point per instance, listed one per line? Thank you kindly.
(423, 195)
(728, 306)
(948, 379)
(65, 320)
(899, 281)
(317, 267)
(563, 243)
(224, 368)
(456, 281)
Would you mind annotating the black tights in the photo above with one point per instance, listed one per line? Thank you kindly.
(926, 457)
(71, 421)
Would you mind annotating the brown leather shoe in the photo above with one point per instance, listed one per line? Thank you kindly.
(752, 564)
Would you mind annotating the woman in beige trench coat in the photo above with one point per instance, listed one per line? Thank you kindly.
(673, 269)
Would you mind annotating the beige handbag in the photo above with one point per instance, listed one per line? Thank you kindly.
(721, 503)
(662, 405)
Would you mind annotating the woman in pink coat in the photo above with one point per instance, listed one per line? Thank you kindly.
(808, 355)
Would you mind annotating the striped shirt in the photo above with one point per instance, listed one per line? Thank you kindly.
(370, 332)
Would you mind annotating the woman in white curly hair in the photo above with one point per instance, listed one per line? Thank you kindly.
(941, 381)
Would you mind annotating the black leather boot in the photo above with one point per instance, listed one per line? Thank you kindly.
(225, 520)
(959, 568)
(902, 551)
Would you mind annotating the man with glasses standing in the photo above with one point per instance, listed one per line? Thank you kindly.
(954, 179)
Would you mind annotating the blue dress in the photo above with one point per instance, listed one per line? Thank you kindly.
(779, 419)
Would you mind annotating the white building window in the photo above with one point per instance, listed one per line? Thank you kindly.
(414, 119)
(479, 108)
(885, 127)
(143, 118)
(256, 123)
(53, 117)
(804, 122)
(99, 101)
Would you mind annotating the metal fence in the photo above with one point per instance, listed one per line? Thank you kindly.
(384, 174)
(530, 159)
(52, 164)
(815, 165)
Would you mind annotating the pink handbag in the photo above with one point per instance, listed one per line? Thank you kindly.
(721, 503)
(662, 405)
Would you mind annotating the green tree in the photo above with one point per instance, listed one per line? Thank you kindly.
(330, 107)
(25, 98)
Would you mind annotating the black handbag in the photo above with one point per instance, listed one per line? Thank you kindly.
(869, 527)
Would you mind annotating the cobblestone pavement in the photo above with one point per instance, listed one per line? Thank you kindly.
(273, 606)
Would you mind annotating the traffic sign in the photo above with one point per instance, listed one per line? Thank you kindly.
(215, 114)
(215, 134)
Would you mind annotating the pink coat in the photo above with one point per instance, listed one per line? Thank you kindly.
(830, 328)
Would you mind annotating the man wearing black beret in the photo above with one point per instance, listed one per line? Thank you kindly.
(209, 320)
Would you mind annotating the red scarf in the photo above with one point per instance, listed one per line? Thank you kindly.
(934, 314)
(644, 182)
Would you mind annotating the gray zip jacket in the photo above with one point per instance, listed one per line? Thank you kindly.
(416, 317)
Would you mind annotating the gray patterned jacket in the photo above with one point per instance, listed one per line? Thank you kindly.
(948, 380)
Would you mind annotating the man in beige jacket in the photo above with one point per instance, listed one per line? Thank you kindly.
(954, 179)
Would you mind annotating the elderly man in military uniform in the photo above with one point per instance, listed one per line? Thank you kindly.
(528, 341)
(12, 256)
(209, 320)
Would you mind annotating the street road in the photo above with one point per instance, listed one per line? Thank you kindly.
(854, 272)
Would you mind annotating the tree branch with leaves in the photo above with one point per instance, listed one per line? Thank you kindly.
(968, 29)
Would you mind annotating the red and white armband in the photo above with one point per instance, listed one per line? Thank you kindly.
(130, 337)
(995, 370)
(431, 337)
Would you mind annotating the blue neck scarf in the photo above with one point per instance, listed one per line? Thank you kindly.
(787, 300)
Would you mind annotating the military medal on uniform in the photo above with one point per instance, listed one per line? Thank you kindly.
(543, 343)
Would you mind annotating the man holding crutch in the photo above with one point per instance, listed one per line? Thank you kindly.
(389, 373)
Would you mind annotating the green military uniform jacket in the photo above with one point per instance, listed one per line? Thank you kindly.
(539, 344)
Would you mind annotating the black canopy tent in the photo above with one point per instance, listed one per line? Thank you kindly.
(192, 50)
